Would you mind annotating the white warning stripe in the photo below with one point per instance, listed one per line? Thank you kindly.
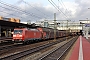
(80, 50)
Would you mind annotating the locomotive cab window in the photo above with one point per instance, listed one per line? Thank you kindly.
(18, 31)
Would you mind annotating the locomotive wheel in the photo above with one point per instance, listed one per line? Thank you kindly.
(25, 42)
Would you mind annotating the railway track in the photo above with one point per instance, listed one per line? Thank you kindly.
(6, 43)
(5, 40)
(59, 52)
(7, 48)
(28, 51)
(10, 47)
(19, 48)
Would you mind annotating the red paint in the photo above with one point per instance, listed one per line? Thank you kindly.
(28, 34)
(86, 50)
(75, 52)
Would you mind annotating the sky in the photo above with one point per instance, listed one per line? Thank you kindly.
(39, 10)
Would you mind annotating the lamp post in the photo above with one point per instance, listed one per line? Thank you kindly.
(54, 26)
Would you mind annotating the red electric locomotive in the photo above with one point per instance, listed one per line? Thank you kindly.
(26, 35)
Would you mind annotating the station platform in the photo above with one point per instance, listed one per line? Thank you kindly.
(5, 39)
(81, 50)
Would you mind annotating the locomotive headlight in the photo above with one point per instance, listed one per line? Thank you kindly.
(14, 35)
(20, 35)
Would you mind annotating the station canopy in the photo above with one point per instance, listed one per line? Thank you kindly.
(14, 24)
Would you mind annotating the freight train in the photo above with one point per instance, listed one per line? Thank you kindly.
(26, 35)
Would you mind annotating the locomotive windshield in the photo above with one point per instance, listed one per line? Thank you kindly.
(18, 31)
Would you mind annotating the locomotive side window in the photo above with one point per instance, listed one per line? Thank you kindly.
(18, 31)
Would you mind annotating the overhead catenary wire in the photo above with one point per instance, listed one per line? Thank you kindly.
(59, 9)
(55, 6)
(10, 14)
(16, 11)
(35, 8)
(32, 6)
(10, 10)
(65, 8)
(16, 8)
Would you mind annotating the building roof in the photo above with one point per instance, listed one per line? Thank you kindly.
(13, 24)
